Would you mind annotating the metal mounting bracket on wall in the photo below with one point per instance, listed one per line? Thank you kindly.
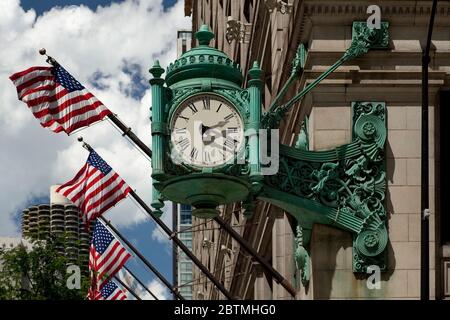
(344, 187)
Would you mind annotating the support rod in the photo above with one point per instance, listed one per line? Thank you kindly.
(424, 227)
(359, 46)
(182, 246)
(275, 274)
(297, 67)
(127, 132)
(174, 247)
(127, 287)
(283, 91)
(146, 262)
(313, 84)
(141, 283)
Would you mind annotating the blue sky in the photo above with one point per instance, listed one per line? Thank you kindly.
(44, 5)
(81, 39)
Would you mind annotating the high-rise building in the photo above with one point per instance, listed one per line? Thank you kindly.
(184, 41)
(184, 264)
(270, 32)
(57, 219)
(182, 220)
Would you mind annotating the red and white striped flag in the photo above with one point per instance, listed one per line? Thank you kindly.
(95, 188)
(109, 292)
(106, 257)
(57, 99)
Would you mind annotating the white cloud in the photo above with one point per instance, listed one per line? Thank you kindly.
(156, 287)
(103, 42)
(159, 290)
(158, 234)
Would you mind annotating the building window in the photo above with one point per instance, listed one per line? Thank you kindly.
(188, 243)
(248, 7)
(444, 171)
(184, 34)
(228, 10)
(185, 214)
(185, 235)
(186, 266)
(185, 277)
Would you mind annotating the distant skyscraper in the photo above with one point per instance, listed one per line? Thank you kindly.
(58, 218)
(185, 265)
(183, 41)
(182, 214)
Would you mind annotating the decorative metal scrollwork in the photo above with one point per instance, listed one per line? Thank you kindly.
(350, 181)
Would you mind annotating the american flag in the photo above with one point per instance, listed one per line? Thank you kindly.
(106, 257)
(109, 292)
(95, 188)
(57, 99)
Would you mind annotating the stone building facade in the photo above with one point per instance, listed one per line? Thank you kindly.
(391, 76)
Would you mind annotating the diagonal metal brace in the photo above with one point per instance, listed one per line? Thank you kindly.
(363, 39)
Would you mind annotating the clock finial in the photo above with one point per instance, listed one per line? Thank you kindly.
(204, 35)
(156, 70)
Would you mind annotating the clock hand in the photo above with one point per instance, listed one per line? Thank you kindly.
(206, 128)
(203, 129)
(219, 124)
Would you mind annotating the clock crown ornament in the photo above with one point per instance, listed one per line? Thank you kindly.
(203, 62)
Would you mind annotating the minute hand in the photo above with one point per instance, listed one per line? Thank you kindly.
(219, 124)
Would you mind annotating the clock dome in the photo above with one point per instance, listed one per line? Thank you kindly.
(202, 63)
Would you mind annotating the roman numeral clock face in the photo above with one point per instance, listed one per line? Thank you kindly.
(206, 131)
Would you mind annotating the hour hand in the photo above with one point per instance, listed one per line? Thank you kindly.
(204, 128)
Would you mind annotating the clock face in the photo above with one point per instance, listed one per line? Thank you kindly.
(206, 131)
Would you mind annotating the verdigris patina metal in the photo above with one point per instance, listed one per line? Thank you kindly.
(344, 187)
(205, 70)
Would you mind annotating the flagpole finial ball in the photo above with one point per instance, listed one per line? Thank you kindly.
(42, 51)
(80, 139)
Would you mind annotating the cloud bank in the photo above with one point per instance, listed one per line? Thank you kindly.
(109, 50)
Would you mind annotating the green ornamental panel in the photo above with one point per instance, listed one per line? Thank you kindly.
(344, 187)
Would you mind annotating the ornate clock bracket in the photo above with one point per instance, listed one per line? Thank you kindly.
(344, 187)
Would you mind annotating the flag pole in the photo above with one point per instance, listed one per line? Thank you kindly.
(140, 282)
(126, 131)
(146, 262)
(50, 60)
(277, 276)
(126, 287)
(182, 246)
(171, 235)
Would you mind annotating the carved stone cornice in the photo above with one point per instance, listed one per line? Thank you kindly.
(387, 8)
